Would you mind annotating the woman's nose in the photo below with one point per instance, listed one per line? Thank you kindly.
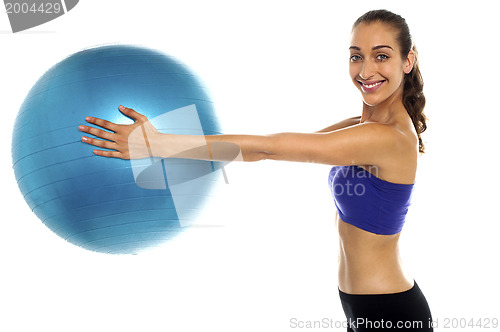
(367, 70)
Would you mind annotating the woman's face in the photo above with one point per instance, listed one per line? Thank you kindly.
(376, 67)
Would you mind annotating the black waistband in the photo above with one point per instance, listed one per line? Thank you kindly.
(377, 297)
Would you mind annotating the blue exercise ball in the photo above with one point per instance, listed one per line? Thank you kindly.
(99, 203)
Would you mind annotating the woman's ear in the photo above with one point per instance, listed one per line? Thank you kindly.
(410, 60)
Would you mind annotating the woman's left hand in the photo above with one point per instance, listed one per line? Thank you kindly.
(124, 141)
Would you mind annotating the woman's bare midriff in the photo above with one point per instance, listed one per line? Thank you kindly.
(370, 263)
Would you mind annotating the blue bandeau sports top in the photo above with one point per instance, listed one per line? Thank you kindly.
(368, 202)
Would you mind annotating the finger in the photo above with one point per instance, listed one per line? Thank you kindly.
(102, 123)
(97, 132)
(108, 154)
(99, 143)
(136, 116)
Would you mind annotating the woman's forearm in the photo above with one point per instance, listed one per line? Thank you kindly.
(250, 147)
(210, 147)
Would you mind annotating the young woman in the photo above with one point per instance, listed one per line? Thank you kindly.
(375, 158)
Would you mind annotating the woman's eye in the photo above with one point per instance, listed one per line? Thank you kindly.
(354, 58)
(382, 57)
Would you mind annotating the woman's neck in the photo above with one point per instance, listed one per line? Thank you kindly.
(384, 111)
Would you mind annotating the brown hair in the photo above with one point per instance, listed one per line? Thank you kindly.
(413, 95)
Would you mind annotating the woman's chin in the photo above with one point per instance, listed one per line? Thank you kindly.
(371, 101)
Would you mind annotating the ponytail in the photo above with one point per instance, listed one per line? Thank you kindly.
(414, 100)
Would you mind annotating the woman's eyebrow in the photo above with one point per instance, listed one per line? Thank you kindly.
(381, 46)
(373, 48)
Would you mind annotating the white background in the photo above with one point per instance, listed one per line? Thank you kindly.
(272, 66)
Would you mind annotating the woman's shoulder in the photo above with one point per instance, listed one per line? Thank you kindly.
(400, 128)
(399, 164)
(399, 131)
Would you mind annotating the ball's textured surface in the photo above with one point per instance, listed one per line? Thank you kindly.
(91, 201)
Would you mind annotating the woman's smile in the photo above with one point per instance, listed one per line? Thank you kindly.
(370, 86)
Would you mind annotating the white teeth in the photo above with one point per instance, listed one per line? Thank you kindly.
(371, 85)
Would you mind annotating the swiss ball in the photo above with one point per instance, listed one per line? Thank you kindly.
(104, 204)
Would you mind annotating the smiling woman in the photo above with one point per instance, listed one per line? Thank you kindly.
(376, 153)
(375, 64)
(369, 86)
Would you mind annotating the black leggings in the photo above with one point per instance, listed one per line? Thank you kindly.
(405, 311)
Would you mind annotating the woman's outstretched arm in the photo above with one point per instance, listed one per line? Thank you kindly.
(362, 144)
